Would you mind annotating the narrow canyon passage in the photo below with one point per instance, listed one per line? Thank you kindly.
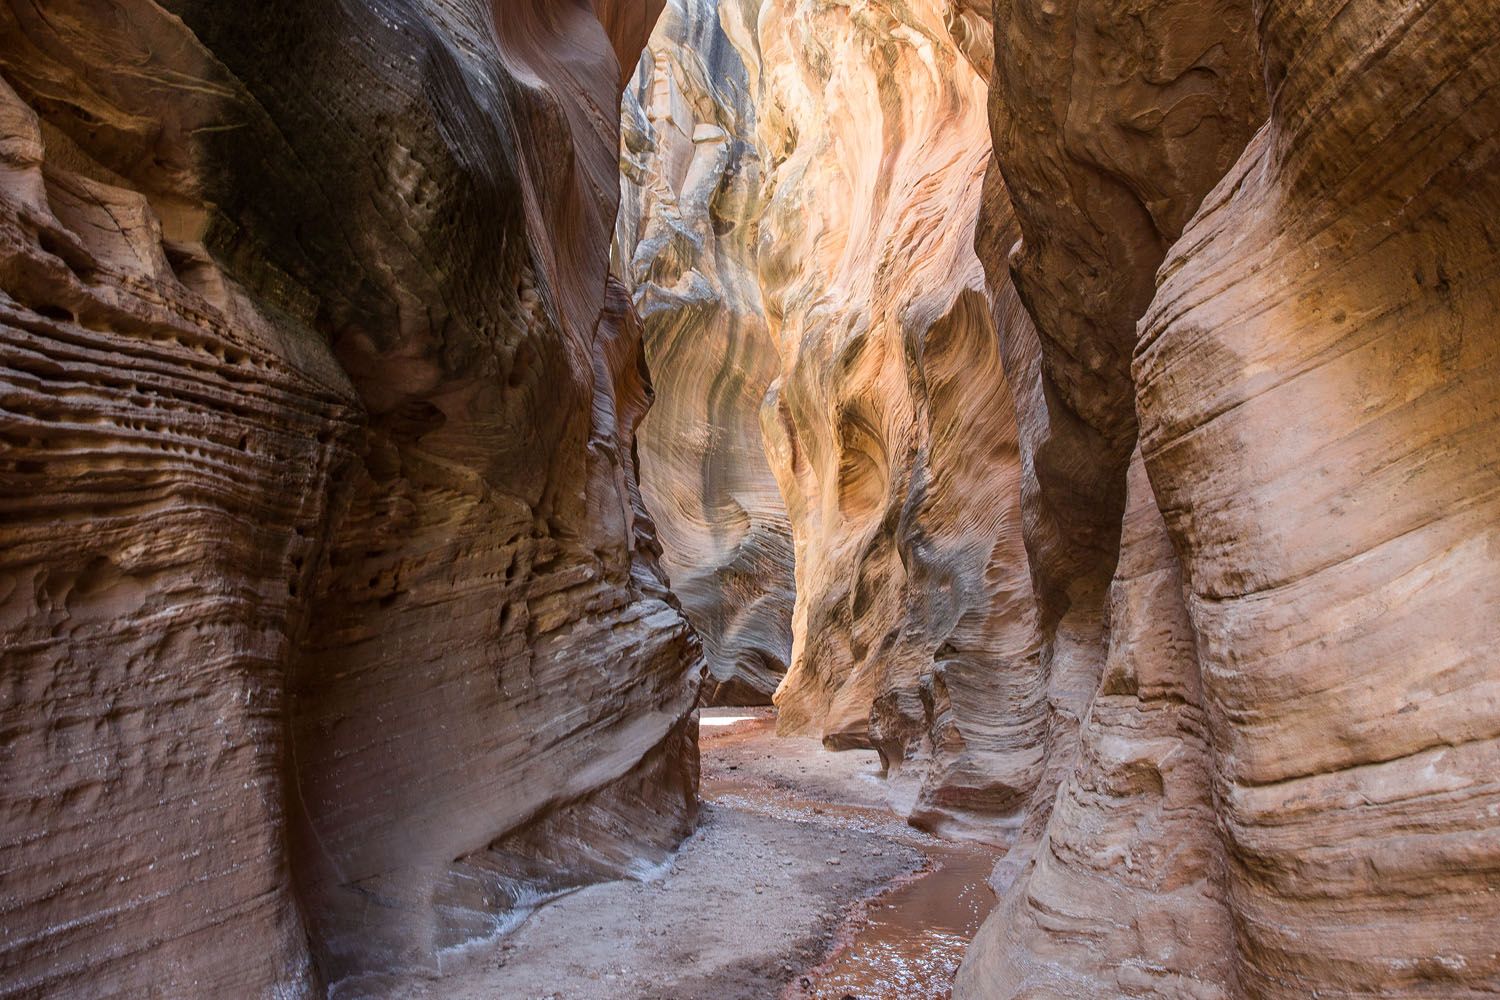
(800, 882)
(1067, 431)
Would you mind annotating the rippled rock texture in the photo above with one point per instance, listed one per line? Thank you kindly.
(1109, 127)
(890, 423)
(331, 620)
(825, 277)
(686, 243)
(1283, 783)
(1156, 539)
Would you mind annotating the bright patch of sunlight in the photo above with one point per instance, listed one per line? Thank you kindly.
(723, 720)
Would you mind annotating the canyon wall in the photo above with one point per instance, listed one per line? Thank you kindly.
(1283, 784)
(889, 424)
(1109, 127)
(333, 631)
(1341, 568)
(1123, 377)
(685, 244)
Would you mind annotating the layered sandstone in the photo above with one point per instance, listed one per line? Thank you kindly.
(686, 242)
(889, 425)
(1156, 539)
(331, 620)
(1283, 783)
(1126, 892)
(1109, 128)
(1341, 569)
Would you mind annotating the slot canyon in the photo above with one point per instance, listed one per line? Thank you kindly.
(750, 499)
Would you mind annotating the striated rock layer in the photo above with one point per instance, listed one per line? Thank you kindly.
(1284, 782)
(331, 620)
(685, 243)
(890, 424)
(1109, 128)
(1341, 571)
(1156, 539)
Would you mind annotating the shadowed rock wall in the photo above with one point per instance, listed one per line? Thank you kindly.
(685, 243)
(1109, 127)
(331, 620)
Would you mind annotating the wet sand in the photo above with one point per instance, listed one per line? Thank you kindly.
(800, 884)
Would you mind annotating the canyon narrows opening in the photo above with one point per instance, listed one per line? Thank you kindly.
(768, 434)
(1077, 417)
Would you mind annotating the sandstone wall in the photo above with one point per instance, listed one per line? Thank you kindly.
(890, 425)
(1110, 125)
(331, 621)
(1156, 539)
(1283, 781)
(686, 242)
(1164, 552)
(1340, 565)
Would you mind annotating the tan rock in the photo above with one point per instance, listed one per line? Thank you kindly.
(1319, 399)
(686, 242)
(1110, 124)
(890, 426)
(1126, 895)
(1281, 788)
(163, 471)
(334, 627)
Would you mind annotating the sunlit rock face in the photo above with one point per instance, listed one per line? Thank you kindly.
(1341, 568)
(332, 626)
(1283, 782)
(889, 425)
(685, 244)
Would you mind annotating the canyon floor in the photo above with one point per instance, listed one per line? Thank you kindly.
(799, 883)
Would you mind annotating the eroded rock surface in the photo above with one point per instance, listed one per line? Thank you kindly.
(1126, 893)
(331, 619)
(686, 242)
(1110, 126)
(889, 425)
(836, 255)
(1341, 568)
(1283, 781)
(1156, 539)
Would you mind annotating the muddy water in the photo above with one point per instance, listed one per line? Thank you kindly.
(906, 941)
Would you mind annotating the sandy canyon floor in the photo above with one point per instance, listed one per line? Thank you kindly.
(799, 883)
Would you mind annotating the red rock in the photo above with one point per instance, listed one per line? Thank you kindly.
(331, 620)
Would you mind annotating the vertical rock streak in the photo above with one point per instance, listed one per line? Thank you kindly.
(888, 425)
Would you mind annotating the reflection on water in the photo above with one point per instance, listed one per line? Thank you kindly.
(910, 941)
